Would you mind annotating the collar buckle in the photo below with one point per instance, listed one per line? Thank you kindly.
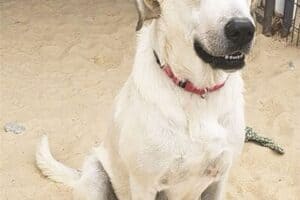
(205, 94)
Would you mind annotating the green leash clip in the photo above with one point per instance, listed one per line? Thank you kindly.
(252, 136)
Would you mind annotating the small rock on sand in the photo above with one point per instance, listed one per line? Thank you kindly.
(14, 127)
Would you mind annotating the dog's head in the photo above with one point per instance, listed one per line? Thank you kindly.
(219, 32)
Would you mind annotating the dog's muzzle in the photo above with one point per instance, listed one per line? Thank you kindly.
(239, 33)
(230, 62)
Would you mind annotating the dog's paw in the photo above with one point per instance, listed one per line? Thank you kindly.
(219, 165)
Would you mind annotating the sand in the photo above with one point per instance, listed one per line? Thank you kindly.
(63, 62)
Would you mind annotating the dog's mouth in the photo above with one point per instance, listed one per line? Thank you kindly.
(230, 62)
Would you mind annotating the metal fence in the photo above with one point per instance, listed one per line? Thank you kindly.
(286, 24)
(295, 26)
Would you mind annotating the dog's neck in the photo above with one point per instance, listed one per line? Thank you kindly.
(181, 58)
(174, 49)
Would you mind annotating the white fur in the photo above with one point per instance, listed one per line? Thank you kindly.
(52, 168)
(162, 137)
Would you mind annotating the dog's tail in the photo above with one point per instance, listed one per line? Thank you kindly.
(53, 169)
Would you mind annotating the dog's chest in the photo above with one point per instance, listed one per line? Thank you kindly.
(205, 118)
(204, 135)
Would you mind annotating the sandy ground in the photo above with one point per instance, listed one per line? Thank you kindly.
(62, 63)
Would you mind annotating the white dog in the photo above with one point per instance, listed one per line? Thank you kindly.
(178, 121)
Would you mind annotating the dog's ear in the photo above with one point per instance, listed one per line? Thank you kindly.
(147, 9)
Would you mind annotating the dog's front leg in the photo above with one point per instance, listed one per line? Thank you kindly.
(220, 169)
(140, 190)
(215, 191)
(235, 124)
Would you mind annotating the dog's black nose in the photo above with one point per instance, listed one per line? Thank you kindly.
(240, 31)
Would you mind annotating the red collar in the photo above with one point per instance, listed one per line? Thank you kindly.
(190, 87)
(186, 84)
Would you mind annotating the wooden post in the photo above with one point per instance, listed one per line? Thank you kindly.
(268, 16)
(287, 17)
